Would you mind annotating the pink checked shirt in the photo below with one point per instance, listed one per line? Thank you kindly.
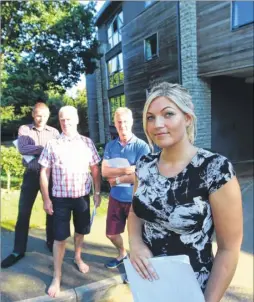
(70, 160)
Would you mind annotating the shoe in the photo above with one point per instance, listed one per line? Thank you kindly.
(10, 260)
(115, 263)
(49, 245)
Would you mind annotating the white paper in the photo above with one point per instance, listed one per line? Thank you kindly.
(177, 281)
(27, 158)
(119, 162)
(92, 216)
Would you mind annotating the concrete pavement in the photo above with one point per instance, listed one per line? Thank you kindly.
(29, 279)
(31, 276)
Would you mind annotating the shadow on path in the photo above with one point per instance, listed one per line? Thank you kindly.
(31, 276)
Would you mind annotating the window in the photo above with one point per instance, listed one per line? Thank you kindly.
(114, 30)
(151, 47)
(115, 71)
(148, 3)
(242, 13)
(114, 103)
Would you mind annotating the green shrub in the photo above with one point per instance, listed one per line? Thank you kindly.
(11, 164)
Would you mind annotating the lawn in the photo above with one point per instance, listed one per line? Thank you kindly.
(9, 209)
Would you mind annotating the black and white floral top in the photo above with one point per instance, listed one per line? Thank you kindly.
(176, 211)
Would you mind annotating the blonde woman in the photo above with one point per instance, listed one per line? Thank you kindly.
(182, 194)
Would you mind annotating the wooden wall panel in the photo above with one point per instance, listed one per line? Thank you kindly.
(139, 74)
(221, 49)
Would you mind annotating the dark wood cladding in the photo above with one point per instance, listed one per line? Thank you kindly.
(160, 18)
(221, 49)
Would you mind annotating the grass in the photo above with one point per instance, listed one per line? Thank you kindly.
(9, 210)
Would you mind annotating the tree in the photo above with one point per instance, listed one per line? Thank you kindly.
(45, 44)
(81, 104)
(10, 121)
(11, 163)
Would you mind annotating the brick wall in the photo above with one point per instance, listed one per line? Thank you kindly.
(198, 88)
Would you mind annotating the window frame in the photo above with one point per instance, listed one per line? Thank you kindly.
(117, 73)
(111, 114)
(157, 47)
(233, 7)
(110, 27)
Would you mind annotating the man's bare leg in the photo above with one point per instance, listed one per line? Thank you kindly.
(58, 255)
(117, 240)
(78, 242)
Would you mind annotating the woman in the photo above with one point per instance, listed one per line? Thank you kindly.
(182, 194)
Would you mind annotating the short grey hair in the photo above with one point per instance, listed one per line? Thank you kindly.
(69, 109)
(181, 97)
(123, 110)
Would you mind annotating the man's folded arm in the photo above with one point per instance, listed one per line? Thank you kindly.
(25, 145)
(110, 172)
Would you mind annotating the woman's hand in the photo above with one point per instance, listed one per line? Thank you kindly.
(139, 257)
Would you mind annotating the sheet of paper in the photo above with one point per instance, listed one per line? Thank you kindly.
(119, 162)
(15, 143)
(177, 281)
(27, 158)
(92, 216)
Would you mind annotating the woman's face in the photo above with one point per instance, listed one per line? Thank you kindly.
(166, 123)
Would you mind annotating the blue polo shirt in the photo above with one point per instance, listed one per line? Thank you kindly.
(132, 151)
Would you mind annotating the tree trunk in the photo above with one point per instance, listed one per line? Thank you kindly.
(8, 181)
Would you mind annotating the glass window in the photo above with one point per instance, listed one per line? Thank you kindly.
(242, 13)
(151, 47)
(147, 3)
(115, 71)
(114, 30)
(114, 103)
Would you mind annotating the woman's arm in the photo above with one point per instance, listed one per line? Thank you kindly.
(139, 252)
(226, 204)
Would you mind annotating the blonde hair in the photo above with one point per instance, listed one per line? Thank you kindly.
(123, 110)
(181, 97)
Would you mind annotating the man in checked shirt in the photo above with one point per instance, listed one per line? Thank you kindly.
(69, 158)
(31, 140)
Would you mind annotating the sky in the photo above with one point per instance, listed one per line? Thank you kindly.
(82, 83)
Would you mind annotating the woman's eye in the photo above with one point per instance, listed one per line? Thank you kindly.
(169, 114)
(150, 118)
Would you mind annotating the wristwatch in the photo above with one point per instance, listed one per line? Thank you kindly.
(118, 180)
(97, 193)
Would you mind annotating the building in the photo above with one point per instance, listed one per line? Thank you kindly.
(207, 46)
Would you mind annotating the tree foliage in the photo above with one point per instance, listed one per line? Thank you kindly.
(11, 163)
(45, 45)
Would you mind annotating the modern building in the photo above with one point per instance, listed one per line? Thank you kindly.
(207, 46)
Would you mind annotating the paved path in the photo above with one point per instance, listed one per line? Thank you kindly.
(32, 275)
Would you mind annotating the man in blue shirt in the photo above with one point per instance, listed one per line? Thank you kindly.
(118, 166)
